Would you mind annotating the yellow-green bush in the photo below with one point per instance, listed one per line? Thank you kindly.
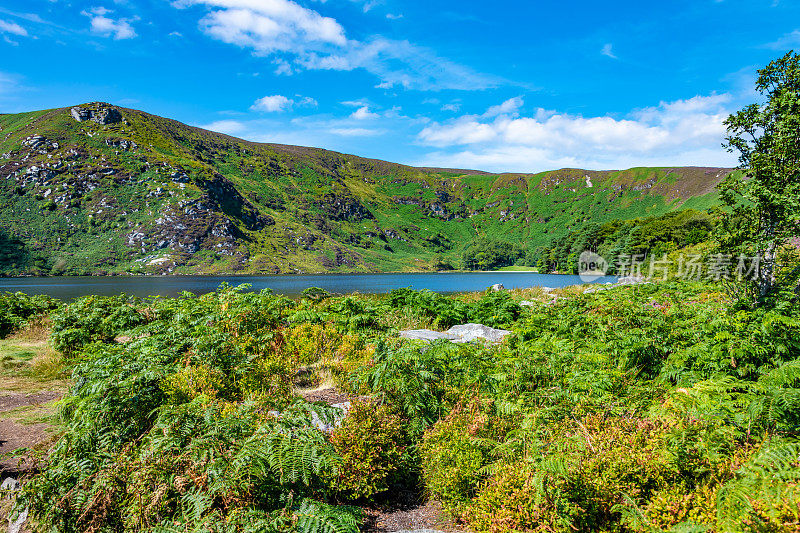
(675, 505)
(583, 478)
(453, 455)
(522, 497)
(192, 381)
(308, 343)
(372, 445)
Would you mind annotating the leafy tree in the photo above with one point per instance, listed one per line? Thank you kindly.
(489, 255)
(765, 199)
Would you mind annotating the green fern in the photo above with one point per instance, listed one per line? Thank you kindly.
(768, 480)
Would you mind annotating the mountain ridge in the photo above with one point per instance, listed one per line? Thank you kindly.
(97, 188)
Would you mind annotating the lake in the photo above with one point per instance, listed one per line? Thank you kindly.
(290, 285)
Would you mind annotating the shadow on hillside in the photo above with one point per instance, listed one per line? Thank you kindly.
(14, 254)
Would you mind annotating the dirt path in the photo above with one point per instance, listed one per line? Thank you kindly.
(30, 383)
(405, 510)
(398, 509)
(31, 380)
(20, 426)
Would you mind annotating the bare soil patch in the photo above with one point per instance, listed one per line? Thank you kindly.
(329, 396)
(405, 509)
(16, 400)
(21, 426)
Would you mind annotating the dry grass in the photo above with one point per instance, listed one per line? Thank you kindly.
(29, 363)
(405, 318)
(28, 415)
(37, 330)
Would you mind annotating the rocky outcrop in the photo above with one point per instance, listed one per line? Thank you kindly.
(16, 519)
(81, 114)
(186, 227)
(437, 209)
(102, 114)
(340, 207)
(426, 335)
(228, 200)
(123, 144)
(107, 115)
(460, 334)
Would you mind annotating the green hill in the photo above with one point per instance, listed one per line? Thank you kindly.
(103, 189)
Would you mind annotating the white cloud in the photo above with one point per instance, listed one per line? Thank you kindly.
(13, 28)
(278, 103)
(607, 51)
(363, 113)
(8, 85)
(786, 41)
(392, 16)
(356, 132)
(283, 67)
(269, 26)
(672, 133)
(307, 101)
(510, 106)
(300, 38)
(451, 107)
(229, 127)
(400, 64)
(272, 104)
(119, 29)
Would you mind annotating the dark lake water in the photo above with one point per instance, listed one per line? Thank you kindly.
(290, 285)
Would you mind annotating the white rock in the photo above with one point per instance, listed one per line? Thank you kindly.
(461, 333)
(344, 407)
(15, 525)
(471, 332)
(9, 484)
(497, 287)
(630, 280)
(426, 335)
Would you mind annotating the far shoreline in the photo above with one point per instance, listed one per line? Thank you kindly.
(239, 275)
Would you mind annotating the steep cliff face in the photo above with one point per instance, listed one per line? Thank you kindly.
(97, 188)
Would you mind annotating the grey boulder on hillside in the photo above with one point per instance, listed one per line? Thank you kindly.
(459, 333)
(102, 115)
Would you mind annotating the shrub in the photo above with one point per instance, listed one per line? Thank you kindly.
(676, 505)
(94, 319)
(514, 499)
(495, 309)
(410, 379)
(441, 311)
(189, 426)
(372, 444)
(590, 471)
(16, 308)
(453, 457)
(492, 309)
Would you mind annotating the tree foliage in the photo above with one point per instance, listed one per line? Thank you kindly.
(765, 202)
(646, 238)
(490, 255)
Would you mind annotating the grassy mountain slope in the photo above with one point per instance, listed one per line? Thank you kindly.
(97, 188)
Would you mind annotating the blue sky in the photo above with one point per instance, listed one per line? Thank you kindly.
(501, 85)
